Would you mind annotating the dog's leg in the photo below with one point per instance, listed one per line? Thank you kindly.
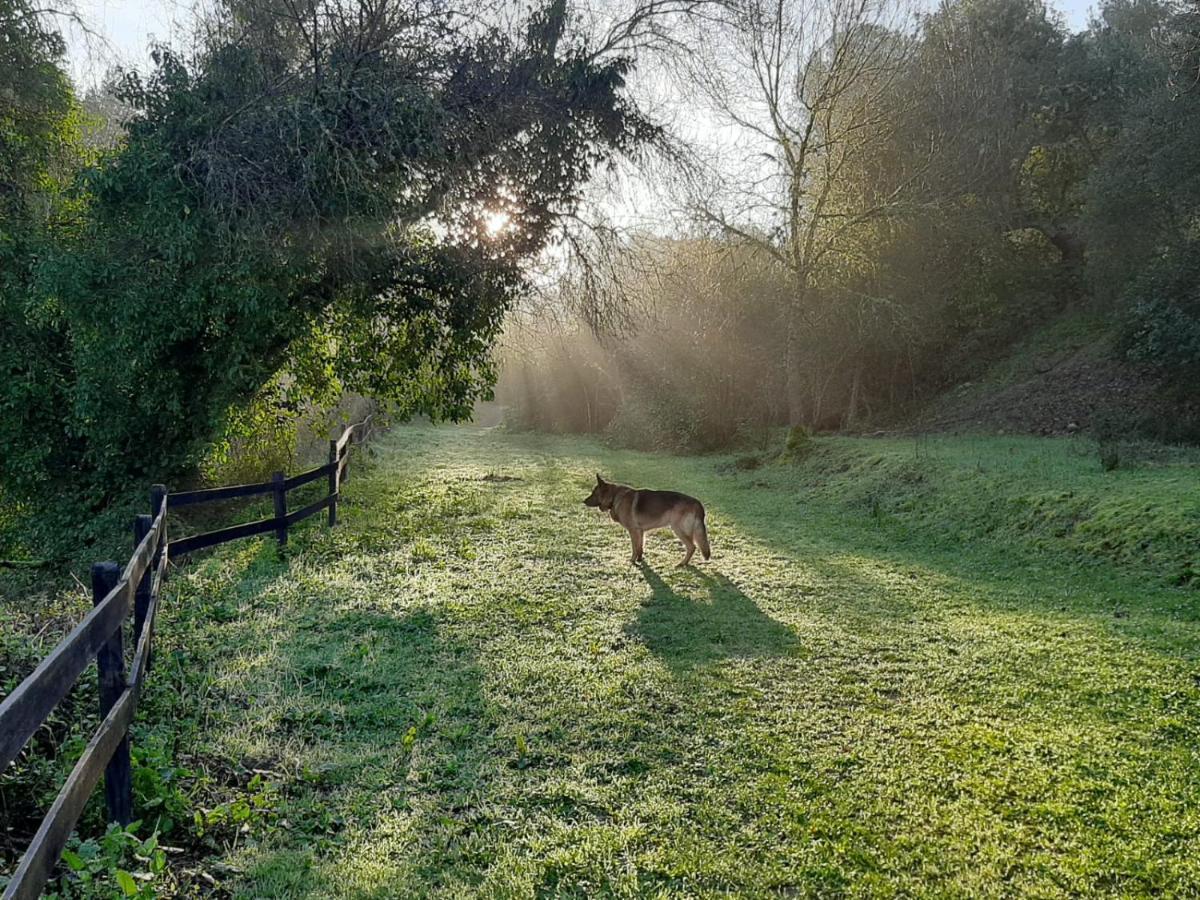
(636, 537)
(689, 545)
(691, 548)
(700, 535)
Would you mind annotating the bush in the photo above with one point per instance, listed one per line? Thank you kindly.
(648, 421)
(798, 443)
(1162, 327)
(277, 432)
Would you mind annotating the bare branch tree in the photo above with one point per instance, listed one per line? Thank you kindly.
(806, 97)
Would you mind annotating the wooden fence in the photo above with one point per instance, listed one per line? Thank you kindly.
(101, 636)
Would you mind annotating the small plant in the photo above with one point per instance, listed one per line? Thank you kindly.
(256, 805)
(158, 794)
(118, 865)
(1111, 428)
(423, 551)
(522, 751)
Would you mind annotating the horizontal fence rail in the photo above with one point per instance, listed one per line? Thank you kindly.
(100, 636)
(209, 495)
(336, 470)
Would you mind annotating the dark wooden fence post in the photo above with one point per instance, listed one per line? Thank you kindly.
(158, 493)
(280, 508)
(110, 663)
(333, 483)
(141, 597)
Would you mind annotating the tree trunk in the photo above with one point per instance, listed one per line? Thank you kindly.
(852, 406)
(793, 353)
(795, 390)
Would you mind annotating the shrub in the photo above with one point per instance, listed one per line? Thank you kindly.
(1162, 327)
(798, 443)
(648, 421)
(1110, 456)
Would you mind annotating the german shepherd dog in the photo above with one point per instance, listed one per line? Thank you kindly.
(641, 511)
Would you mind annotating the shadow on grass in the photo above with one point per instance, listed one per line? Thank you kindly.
(721, 622)
(381, 713)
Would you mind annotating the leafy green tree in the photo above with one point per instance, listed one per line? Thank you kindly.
(311, 193)
(1150, 184)
(961, 267)
(36, 110)
(1126, 73)
(39, 152)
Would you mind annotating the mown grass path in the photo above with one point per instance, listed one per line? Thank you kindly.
(466, 690)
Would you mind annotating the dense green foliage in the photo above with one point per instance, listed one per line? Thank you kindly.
(35, 115)
(1008, 174)
(946, 666)
(302, 197)
(1142, 201)
(38, 140)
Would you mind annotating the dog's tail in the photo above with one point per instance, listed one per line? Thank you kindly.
(700, 536)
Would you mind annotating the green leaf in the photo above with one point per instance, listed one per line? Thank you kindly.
(128, 885)
(74, 861)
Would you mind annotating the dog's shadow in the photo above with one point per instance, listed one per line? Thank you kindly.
(714, 621)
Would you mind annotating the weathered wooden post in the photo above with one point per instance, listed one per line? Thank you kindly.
(158, 495)
(110, 664)
(141, 597)
(333, 483)
(280, 508)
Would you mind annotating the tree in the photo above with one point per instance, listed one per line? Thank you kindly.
(980, 261)
(311, 192)
(40, 151)
(36, 105)
(813, 88)
(698, 369)
(1142, 199)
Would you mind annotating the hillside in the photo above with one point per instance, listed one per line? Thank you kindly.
(1062, 379)
(948, 666)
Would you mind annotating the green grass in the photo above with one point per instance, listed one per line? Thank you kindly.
(960, 667)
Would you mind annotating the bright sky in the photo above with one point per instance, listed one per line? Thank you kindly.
(1077, 12)
(126, 29)
(122, 32)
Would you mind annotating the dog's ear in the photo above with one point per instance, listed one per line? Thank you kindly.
(599, 480)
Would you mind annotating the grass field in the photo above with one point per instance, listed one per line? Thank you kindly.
(958, 667)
